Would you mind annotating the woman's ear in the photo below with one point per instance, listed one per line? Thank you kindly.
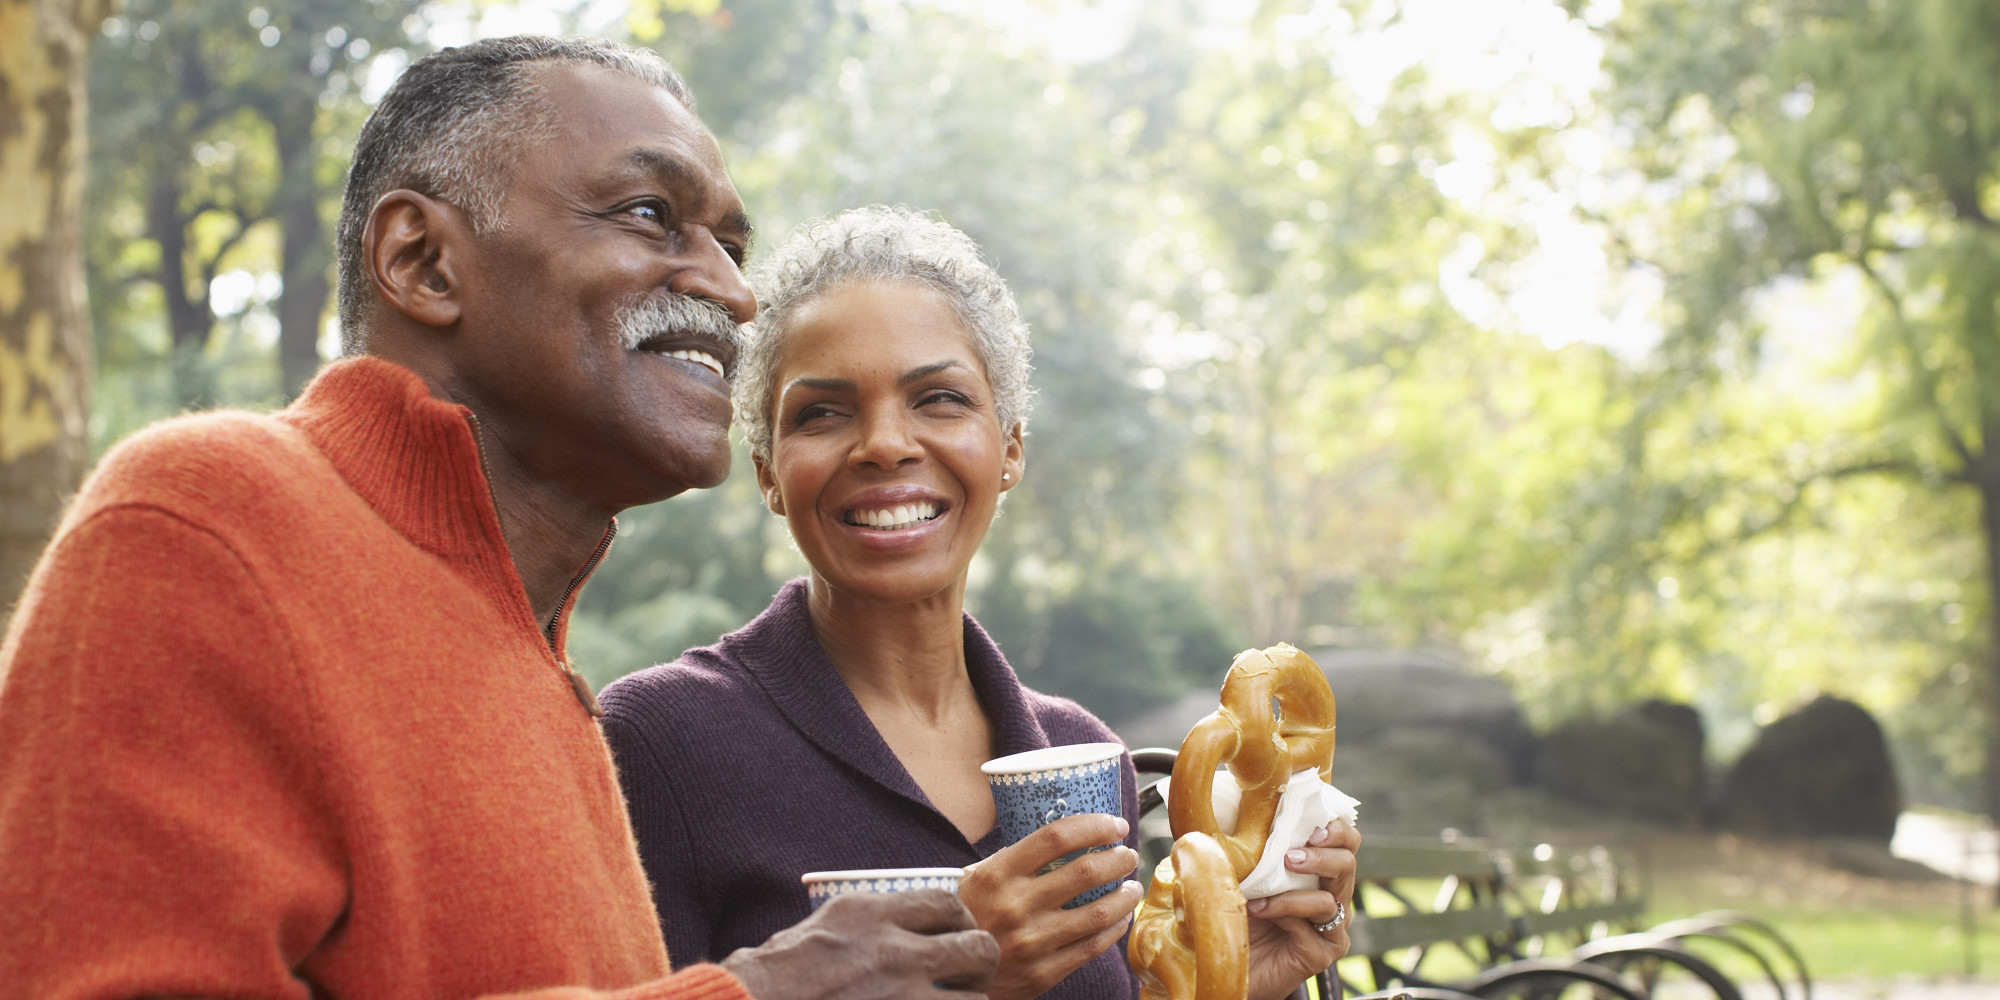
(767, 484)
(413, 249)
(1013, 459)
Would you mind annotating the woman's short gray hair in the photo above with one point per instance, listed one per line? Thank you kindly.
(880, 243)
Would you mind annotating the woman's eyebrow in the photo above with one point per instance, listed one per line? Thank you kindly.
(821, 383)
(926, 371)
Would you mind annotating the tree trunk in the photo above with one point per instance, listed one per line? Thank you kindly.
(305, 256)
(188, 318)
(45, 363)
(1989, 523)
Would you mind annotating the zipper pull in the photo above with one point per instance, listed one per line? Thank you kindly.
(584, 695)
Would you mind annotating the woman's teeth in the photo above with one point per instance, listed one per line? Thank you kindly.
(702, 358)
(899, 516)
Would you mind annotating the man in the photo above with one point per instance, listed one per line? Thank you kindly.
(284, 710)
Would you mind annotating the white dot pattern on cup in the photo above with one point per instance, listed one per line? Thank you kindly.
(820, 892)
(1056, 773)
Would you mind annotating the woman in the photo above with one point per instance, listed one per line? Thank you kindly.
(883, 398)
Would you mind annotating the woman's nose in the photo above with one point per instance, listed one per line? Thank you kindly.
(886, 441)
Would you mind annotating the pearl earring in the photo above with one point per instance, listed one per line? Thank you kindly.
(1006, 476)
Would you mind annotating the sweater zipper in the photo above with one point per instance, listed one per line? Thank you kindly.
(577, 685)
(555, 620)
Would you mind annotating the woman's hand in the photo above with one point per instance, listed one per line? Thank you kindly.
(1040, 942)
(1284, 948)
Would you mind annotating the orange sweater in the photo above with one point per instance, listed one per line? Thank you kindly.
(276, 721)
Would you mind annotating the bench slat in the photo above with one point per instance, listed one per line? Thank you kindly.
(1576, 918)
(1388, 861)
(1375, 935)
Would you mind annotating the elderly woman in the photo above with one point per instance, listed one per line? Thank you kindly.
(883, 398)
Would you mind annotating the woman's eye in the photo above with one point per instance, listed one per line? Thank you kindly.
(811, 413)
(941, 396)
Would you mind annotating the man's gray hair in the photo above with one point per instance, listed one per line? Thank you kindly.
(880, 243)
(449, 129)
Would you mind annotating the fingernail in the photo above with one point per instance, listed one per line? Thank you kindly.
(1256, 906)
(1295, 857)
(1123, 827)
(1319, 836)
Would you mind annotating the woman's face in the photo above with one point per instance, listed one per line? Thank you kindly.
(887, 458)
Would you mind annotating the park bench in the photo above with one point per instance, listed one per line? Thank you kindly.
(1450, 918)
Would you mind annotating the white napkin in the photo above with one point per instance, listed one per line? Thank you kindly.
(1306, 805)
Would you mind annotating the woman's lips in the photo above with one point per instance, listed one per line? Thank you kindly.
(893, 517)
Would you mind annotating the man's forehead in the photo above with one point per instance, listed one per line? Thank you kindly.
(613, 125)
(597, 101)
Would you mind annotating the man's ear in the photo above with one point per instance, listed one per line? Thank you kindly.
(414, 248)
(1013, 459)
(767, 484)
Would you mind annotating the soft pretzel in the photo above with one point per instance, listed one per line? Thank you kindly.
(1191, 939)
(1263, 750)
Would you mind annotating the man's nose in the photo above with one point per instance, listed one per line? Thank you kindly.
(713, 274)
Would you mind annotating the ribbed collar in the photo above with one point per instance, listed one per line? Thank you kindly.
(415, 459)
(782, 653)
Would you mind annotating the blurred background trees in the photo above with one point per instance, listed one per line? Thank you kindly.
(1619, 350)
(44, 336)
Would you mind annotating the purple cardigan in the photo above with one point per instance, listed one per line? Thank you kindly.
(748, 763)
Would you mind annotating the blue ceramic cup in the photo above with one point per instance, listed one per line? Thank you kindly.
(1041, 786)
(822, 886)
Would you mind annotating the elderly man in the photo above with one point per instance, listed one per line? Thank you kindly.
(284, 711)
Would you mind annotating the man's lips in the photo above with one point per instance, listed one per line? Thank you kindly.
(704, 351)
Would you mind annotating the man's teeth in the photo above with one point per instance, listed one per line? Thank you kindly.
(702, 358)
(899, 516)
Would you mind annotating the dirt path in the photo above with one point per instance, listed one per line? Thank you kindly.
(1960, 847)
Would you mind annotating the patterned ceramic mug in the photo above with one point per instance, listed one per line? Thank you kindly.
(1041, 786)
(822, 886)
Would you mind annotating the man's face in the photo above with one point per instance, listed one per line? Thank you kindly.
(572, 349)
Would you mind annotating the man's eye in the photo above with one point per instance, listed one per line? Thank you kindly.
(651, 211)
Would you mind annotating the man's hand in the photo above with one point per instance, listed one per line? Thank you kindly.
(1284, 948)
(1040, 942)
(873, 946)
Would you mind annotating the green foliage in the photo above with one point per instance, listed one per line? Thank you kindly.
(1271, 404)
(219, 126)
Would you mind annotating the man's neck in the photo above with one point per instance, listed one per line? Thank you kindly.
(553, 537)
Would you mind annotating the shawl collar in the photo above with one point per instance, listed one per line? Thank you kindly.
(781, 652)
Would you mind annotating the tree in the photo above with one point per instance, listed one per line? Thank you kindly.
(221, 114)
(1827, 138)
(44, 333)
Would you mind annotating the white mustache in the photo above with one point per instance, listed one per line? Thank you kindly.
(671, 313)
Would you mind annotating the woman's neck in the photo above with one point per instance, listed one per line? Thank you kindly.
(905, 656)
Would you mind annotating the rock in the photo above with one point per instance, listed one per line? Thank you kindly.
(1644, 763)
(1420, 781)
(1385, 694)
(1821, 772)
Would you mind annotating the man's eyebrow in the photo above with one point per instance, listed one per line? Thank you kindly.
(670, 168)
